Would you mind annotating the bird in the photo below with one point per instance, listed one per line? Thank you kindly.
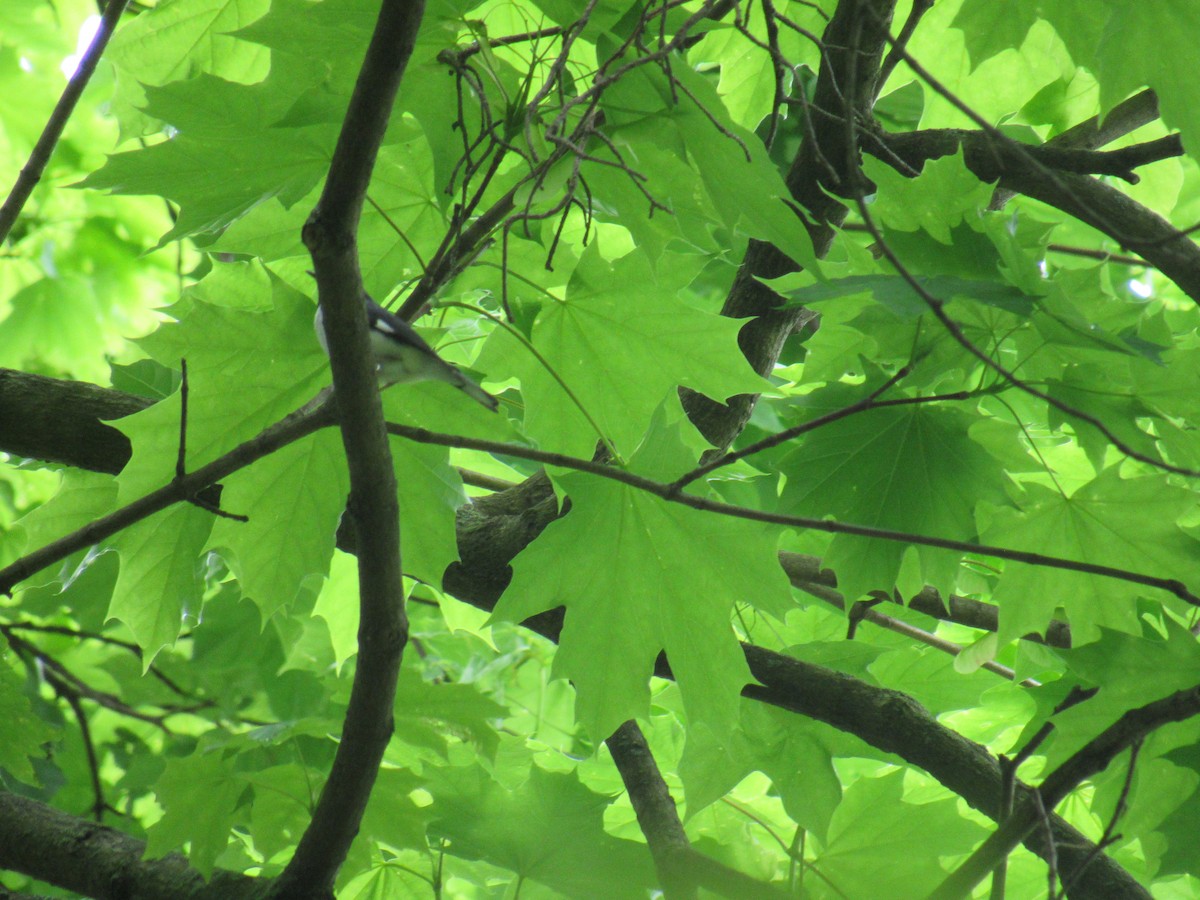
(402, 355)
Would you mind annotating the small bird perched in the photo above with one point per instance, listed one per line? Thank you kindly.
(402, 355)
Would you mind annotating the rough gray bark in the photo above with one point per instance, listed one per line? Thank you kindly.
(64, 421)
(96, 861)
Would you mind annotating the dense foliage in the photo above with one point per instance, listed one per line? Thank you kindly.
(844, 479)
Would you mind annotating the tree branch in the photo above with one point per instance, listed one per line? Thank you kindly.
(993, 159)
(95, 861)
(312, 416)
(805, 574)
(655, 809)
(1104, 208)
(681, 869)
(31, 173)
(1091, 759)
(817, 173)
(64, 421)
(331, 237)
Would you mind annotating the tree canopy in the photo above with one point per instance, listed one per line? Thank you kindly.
(837, 533)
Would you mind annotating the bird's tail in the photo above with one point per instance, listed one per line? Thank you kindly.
(474, 391)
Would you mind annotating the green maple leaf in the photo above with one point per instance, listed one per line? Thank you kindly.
(402, 187)
(1125, 523)
(82, 498)
(22, 733)
(902, 840)
(159, 581)
(648, 576)
(172, 40)
(549, 829)
(906, 468)
(744, 184)
(938, 199)
(621, 341)
(1153, 44)
(246, 370)
(199, 795)
(294, 499)
(991, 28)
(213, 167)
(796, 754)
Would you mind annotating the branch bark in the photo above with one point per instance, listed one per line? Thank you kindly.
(64, 421)
(816, 174)
(95, 861)
(655, 809)
(331, 237)
(1016, 168)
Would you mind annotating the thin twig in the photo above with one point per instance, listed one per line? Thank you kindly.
(919, 8)
(68, 693)
(180, 459)
(32, 171)
(1110, 835)
(667, 492)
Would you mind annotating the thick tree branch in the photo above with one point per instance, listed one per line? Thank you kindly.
(64, 421)
(1104, 208)
(993, 160)
(655, 809)
(1128, 115)
(895, 723)
(817, 173)
(331, 237)
(95, 861)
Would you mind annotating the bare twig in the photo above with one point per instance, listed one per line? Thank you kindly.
(462, 54)
(1102, 255)
(181, 457)
(864, 611)
(32, 171)
(1110, 835)
(102, 861)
